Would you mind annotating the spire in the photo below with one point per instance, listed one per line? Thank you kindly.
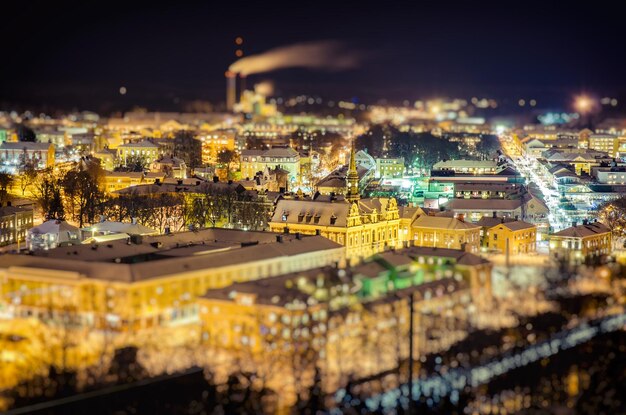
(352, 178)
(352, 158)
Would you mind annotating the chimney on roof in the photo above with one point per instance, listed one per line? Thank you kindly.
(574, 224)
(516, 217)
(585, 222)
(298, 236)
(9, 203)
(495, 214)
(167, 230)
(318, 232)
(286, 230)
(134, 221)
(180, 182)
(157, 182)
(279, 238)
(230, 182)
(216, 179)
(461, 217)
(102, 218)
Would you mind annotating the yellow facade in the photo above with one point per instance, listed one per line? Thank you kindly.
(521, 241)
(578, 248)
(214, 143)
(363, 234)
(114, 181)
(441, 232)
(30, 291)
(145, 150)
(606, 143)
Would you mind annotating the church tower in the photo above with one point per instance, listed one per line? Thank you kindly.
(352, 179)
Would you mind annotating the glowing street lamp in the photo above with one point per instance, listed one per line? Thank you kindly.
(584, 104)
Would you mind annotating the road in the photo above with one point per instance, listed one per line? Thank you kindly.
(530, 169)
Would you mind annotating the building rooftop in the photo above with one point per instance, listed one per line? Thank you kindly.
(108, 226)
(491, 221)
(518, 225)
(458, 255)
(140, 144)
(125, 261)
(21, 145)
(12, 210)
(583, 231)
(53, 226)
(440, 222)
(272, 152)
(462, 163)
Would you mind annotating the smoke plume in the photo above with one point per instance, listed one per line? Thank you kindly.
(326, 55)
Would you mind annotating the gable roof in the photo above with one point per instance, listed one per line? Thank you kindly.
(583, 231)
(518, 225)
(439, 222)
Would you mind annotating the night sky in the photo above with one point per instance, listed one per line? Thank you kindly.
(78, 54)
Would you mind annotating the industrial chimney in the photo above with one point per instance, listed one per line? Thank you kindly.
(231, 90)
(242, 85)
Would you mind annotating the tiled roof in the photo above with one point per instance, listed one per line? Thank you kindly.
(583, 231)
(439, 222)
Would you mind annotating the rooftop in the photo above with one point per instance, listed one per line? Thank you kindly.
(440, 222)
(583, 231)
(156, 256)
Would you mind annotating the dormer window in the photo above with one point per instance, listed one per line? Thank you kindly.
(333, 219)
(316, 218)
(284, 217)
(300, 217)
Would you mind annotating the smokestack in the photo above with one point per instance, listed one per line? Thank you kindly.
(242, 85)
(231, 90)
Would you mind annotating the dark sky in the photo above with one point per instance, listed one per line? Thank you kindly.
(78, 54)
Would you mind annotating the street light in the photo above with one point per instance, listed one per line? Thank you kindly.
(584, 104)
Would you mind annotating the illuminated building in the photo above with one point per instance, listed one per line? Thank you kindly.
(363, 226)
(173, 167)
(579, 242)
(118, 180)
(252, 102)
(14, 222)
(51, 135)
(215, 142)
(610, 175)
(316, 307)
(607, 143)
(487, 190)
(392, 167)
(581, 159)
(528, 208)
(477, 167)
(336, 181)
(144, 150)
(51, 234)
(253, 161)
(150, 281)
(445, 232)
(513, 237)
(13, 156)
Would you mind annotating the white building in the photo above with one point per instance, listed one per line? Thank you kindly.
(253, 161)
